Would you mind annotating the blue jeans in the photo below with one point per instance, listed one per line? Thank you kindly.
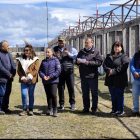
(2, 93)
(117, 98)
(87, 85)
(27, 89)
(136, 94)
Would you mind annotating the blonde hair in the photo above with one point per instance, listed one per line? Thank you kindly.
(49, 49)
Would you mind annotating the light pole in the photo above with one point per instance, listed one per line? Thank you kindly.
(47, 23)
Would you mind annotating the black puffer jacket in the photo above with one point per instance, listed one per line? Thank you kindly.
(95, 60)
(119, 66)
(67, 62)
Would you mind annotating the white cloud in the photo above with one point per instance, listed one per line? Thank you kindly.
(29, 1)
(64, 14)
(29, 21)
(19, 22)
(107, 4)
(70, 16)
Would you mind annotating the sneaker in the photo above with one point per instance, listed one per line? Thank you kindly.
(61, 108)
(73, 108)
(120, 113)
(30, 113)
(49, 112)
(23, 113)
(55, 113)
(2, 112)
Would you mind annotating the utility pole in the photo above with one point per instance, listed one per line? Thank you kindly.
(47, 23)
(97, 10)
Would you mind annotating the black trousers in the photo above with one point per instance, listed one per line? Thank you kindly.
(67, 78)
(51, 94)
(6, 98)
(88, 85)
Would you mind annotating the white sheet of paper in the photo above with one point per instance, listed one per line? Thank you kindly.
(81, 60)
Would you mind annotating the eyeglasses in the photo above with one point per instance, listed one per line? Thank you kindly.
(26, 50)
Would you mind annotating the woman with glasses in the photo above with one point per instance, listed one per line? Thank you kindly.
(115, 66)
(28, 66)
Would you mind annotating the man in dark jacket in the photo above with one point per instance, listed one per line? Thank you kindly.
(7, 72)
(89, 59)
(66, 56)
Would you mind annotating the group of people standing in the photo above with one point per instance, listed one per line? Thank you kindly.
(57, 69)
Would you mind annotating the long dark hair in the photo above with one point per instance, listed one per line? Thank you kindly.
(32, 52)
(117, 43)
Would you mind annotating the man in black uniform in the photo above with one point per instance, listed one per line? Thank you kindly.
(88, 60)
(66, 56)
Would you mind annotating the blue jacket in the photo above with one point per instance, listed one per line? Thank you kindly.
(52, 68)
(7, 67)
(135, 65)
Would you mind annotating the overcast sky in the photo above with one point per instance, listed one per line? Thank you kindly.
(26, 19)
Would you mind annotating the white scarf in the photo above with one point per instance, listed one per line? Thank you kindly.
(25, 63)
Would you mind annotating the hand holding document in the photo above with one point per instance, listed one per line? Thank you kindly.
(79, 60)
(65, 52)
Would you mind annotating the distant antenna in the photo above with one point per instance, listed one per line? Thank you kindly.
(79, 19)
(79, 22)
(97, 11)
(47, 22)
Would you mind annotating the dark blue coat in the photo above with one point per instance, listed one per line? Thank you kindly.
(6, 68)
(52, 68)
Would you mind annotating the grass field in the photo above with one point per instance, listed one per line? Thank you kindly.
(68, 124)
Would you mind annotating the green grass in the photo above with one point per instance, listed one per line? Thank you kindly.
(68, 124)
